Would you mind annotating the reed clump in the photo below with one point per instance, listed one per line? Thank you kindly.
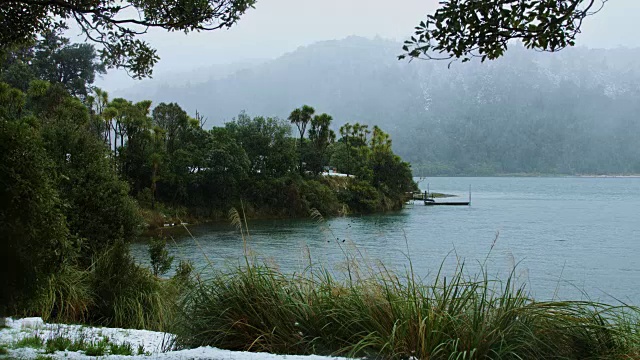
(255, 307)
(114, 291)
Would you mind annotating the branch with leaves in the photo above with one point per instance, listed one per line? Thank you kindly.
(466, 29)
(116, 25)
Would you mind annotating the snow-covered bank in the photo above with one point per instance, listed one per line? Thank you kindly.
(155, 344)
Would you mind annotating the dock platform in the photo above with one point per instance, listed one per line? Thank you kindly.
(447, 203)
(428, 199)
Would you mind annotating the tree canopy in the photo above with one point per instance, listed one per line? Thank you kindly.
(116, 25)
(465, 29)
(52, 58)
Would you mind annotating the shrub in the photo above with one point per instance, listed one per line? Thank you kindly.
(361, 197)
(33, 228)
(320, 196)
(160, 259)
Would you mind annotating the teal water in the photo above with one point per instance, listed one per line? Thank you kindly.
(566, 237)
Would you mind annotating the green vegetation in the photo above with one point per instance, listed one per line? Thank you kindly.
(91, 348)
(368, 311)
(35, 342)
(54, 59)
(3, 350)
(121, 349)
(510, 116)
(467, 29)
(97, 348)
(141, 350)
(160, 259)
(59, 343)
(78, 345)
(81, 170)
(375, 313)
(109, 25)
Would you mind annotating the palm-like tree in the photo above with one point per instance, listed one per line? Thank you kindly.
(301, 117)
(320, 136)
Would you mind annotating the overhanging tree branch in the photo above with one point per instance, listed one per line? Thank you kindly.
(465, 29)
(109, 23)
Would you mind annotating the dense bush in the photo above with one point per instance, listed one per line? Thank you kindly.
(34, 238)
(319, 195)
(361, 197)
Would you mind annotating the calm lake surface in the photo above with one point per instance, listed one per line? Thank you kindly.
(565, 236)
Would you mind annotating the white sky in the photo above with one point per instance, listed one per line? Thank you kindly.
(275, 27)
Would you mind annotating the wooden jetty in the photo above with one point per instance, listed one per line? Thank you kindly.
(432, 202)
(429, 200)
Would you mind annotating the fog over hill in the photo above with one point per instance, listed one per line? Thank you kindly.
(575, 111)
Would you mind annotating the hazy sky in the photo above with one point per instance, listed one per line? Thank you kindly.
(275, 27)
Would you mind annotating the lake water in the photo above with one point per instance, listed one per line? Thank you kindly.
(566, 237)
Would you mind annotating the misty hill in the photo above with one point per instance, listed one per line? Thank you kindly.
(350, 79)
(120, 81)
(570, 112)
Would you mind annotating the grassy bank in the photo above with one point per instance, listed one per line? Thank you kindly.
(364, 311)
(379, 314)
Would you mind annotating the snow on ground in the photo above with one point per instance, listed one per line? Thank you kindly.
(155, 343)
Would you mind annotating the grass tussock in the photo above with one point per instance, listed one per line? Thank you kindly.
(96, 348)
(113, 292)
(99, 347)
(258, 308)
(58, 343)
(66, 295)
(35, 342)
(124, 349)
(130, 296)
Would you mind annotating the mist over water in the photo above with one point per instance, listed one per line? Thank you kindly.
(568, 236)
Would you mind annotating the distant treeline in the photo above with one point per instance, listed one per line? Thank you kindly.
(575, 111)
(254, 163)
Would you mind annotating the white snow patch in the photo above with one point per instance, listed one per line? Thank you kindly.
(155, 343)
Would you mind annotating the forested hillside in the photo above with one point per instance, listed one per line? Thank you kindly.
(570, 112)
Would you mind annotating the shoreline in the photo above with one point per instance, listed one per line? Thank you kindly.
(179, 228)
